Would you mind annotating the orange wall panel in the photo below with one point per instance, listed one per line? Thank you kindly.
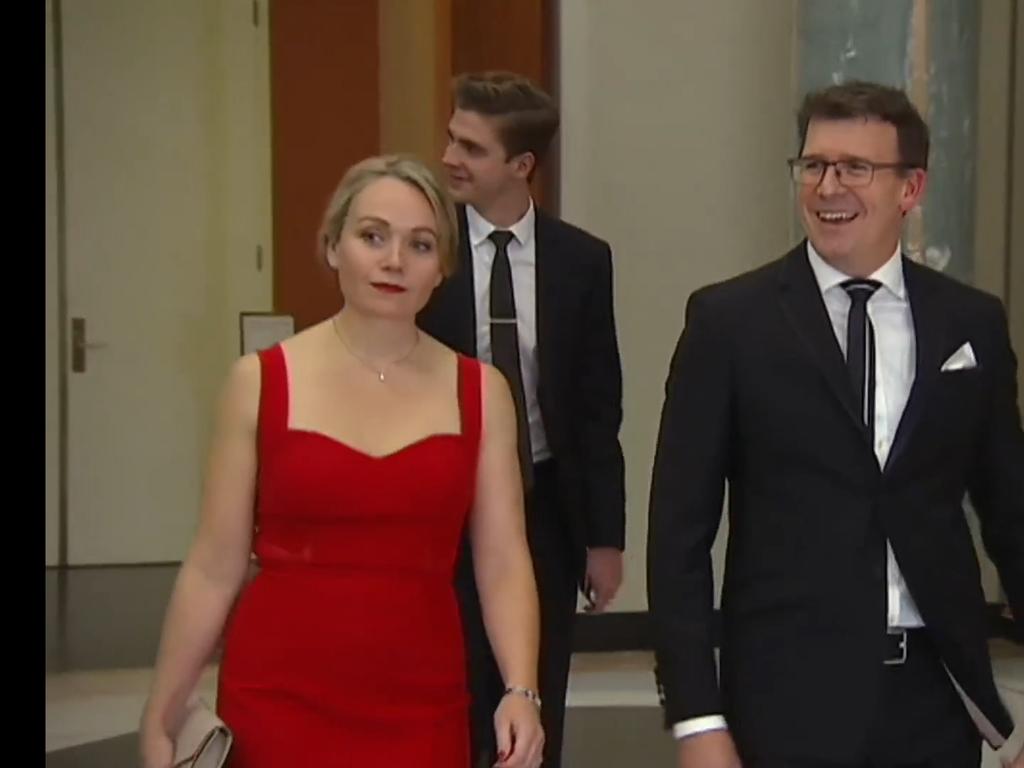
(516, 35)
(499, 34)
(325, 116)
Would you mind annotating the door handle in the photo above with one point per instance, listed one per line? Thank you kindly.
(79, 345)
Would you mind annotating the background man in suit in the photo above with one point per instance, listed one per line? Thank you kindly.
(850, 397)
(533, 295)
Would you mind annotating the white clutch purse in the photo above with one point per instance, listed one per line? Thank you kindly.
(203, 741)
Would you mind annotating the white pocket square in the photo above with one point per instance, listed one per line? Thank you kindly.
(962, 359)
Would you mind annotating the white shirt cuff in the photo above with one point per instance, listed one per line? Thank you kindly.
(696, 725)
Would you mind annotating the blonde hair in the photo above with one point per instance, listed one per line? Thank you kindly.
(412, 172)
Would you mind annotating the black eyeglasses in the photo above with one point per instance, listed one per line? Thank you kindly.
(849, 173)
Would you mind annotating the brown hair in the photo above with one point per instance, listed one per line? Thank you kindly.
(859, 98)
(403, 168)
(528, 117)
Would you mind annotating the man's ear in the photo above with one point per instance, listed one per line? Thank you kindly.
(524, 164)
(914, 184)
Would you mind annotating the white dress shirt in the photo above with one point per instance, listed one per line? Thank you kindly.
(522, 257)
(895, 367)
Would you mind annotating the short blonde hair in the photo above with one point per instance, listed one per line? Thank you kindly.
(412, 172)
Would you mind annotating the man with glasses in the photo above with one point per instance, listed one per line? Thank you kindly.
(850, 398)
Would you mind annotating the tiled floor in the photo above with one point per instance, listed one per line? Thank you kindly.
(640, 742)
(92, 705)
(91, 716)
(101, 642)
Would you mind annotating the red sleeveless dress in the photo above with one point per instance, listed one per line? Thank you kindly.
(347, 648)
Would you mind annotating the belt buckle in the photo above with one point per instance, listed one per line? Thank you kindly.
(902, 658)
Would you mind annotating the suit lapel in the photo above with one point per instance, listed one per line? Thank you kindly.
(804, 307)
(929, 335)
(463, 294)
(547, 290)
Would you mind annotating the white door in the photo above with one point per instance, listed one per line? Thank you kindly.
(167, 186)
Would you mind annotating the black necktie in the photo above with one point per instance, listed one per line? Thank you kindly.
(860, 349)
(505, 345)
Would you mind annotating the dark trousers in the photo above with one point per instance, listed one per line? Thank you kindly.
(556, 586)
(919, 721)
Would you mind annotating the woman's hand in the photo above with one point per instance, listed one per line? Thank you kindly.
(520, 736)
(156, 749)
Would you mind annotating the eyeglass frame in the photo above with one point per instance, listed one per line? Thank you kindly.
(794, 164)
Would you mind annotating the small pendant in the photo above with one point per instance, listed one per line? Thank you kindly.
(381, 377)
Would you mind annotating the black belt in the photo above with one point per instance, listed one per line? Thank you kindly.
(899, 643)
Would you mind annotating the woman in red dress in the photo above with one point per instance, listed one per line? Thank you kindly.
(350, 459)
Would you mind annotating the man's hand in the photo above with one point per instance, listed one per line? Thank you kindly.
(711, 749)
(604, 576)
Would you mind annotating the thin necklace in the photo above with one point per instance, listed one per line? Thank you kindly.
(367, 363)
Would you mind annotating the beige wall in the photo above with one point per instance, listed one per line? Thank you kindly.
(991, 248)
(1016, 283)
(676, 124)
(52, 388)
(412, 40)
(992, 134)
(243, 66)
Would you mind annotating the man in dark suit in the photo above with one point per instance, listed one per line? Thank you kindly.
(849, 397)
(533, 295)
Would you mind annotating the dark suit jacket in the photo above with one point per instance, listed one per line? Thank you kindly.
(758, 395)
(580, 382)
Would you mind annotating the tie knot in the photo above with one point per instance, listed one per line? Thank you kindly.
(501, 238)
(860, 289)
